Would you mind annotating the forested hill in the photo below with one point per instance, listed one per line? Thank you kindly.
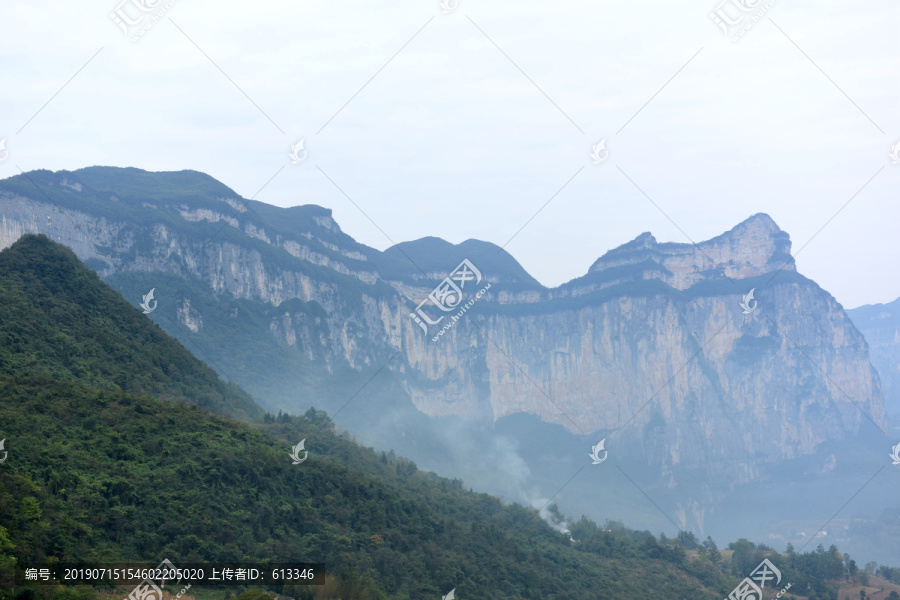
(58, 319)
(100, 469)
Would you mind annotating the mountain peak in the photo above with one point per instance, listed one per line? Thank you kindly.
(751, 248)
(645, 240)
(756, 226)
(437, 257)
(761, 218)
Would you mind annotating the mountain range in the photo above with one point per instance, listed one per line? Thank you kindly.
(712, 371)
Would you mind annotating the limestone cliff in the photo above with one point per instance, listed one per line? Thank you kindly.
(880, 324)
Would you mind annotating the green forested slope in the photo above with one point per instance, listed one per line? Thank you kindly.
(58, 319)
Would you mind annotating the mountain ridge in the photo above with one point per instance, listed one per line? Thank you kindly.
(139, 187)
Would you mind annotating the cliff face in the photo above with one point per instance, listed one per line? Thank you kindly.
(880, 324)
(652, 339)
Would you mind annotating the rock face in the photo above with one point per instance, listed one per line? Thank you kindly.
(652, 341)
(880, 324)
(751, 249)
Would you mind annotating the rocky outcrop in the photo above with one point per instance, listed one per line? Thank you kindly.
(753, 248)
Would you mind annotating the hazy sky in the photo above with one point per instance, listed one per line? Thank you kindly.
(477, 122)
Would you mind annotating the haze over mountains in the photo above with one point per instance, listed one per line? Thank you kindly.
(701, 401)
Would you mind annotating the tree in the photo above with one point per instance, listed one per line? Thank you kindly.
(319, 418)
(688, 540)
(712, 550)
(889, 573)
(745, 557)
(7, 562)
(791, 555)
(650, 548)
